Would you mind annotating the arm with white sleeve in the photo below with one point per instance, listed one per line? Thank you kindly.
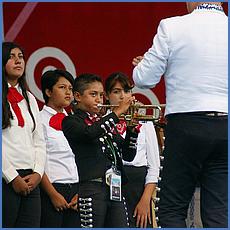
(142, 211)
(152, 65)
(38, 140)
(153, 155)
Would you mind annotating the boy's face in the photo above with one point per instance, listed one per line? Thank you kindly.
(90, 98)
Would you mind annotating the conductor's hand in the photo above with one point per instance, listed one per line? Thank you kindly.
(20, 186)
(32, 180)
(136, 60)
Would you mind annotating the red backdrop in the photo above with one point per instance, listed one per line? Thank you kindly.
(86, 37)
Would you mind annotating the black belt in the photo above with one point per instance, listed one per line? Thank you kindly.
(210, 114)
(200, 113)
(24, 172)
(65, 185)
(99, 179)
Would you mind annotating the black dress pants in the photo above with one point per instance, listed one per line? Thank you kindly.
(20, 211)
(134, 189)
(196, 149)
(50, 217)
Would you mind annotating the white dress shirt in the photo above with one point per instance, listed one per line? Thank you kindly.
(192, 53)
(147, 152)
(23, 148)
(60, 161)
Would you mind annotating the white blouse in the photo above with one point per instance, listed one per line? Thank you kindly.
(147, 152)
(23, 148)
(60, 161)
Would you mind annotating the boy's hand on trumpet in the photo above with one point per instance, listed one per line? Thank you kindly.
(124, 105)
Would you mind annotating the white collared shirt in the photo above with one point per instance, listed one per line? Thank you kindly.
(23, 148)
(192, 53)
(147, 152)
(60, 161)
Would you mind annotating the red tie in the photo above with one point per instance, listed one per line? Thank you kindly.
(121, 127)
(14, 97)
(56, 121)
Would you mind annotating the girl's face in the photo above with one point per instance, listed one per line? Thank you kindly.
(117, 94)
(61, 95)
(90, 98)
(15, 66)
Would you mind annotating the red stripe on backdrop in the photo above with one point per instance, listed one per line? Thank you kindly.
(88, 37)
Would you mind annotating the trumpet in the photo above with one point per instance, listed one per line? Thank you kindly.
(136, 112)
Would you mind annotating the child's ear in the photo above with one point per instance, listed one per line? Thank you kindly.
(48, 92)
(77, 96)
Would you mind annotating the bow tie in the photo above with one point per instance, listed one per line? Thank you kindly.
(91, 119)
(14, 97)
(56, 121)
(94, 118)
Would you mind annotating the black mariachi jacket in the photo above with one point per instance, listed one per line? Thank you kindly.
(84, 139)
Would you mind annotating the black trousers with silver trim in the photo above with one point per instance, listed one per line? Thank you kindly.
(97, 210)
(134, 189)
(196, 150)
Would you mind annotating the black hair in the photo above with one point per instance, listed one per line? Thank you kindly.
(6, 113)
(82, 82)
(118, 77)
(51, 77)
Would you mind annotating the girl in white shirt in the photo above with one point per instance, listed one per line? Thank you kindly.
(23, 146)
(143, 171)
(60, 181)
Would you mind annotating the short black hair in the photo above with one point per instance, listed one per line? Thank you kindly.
(82, 81)
(51, 77)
